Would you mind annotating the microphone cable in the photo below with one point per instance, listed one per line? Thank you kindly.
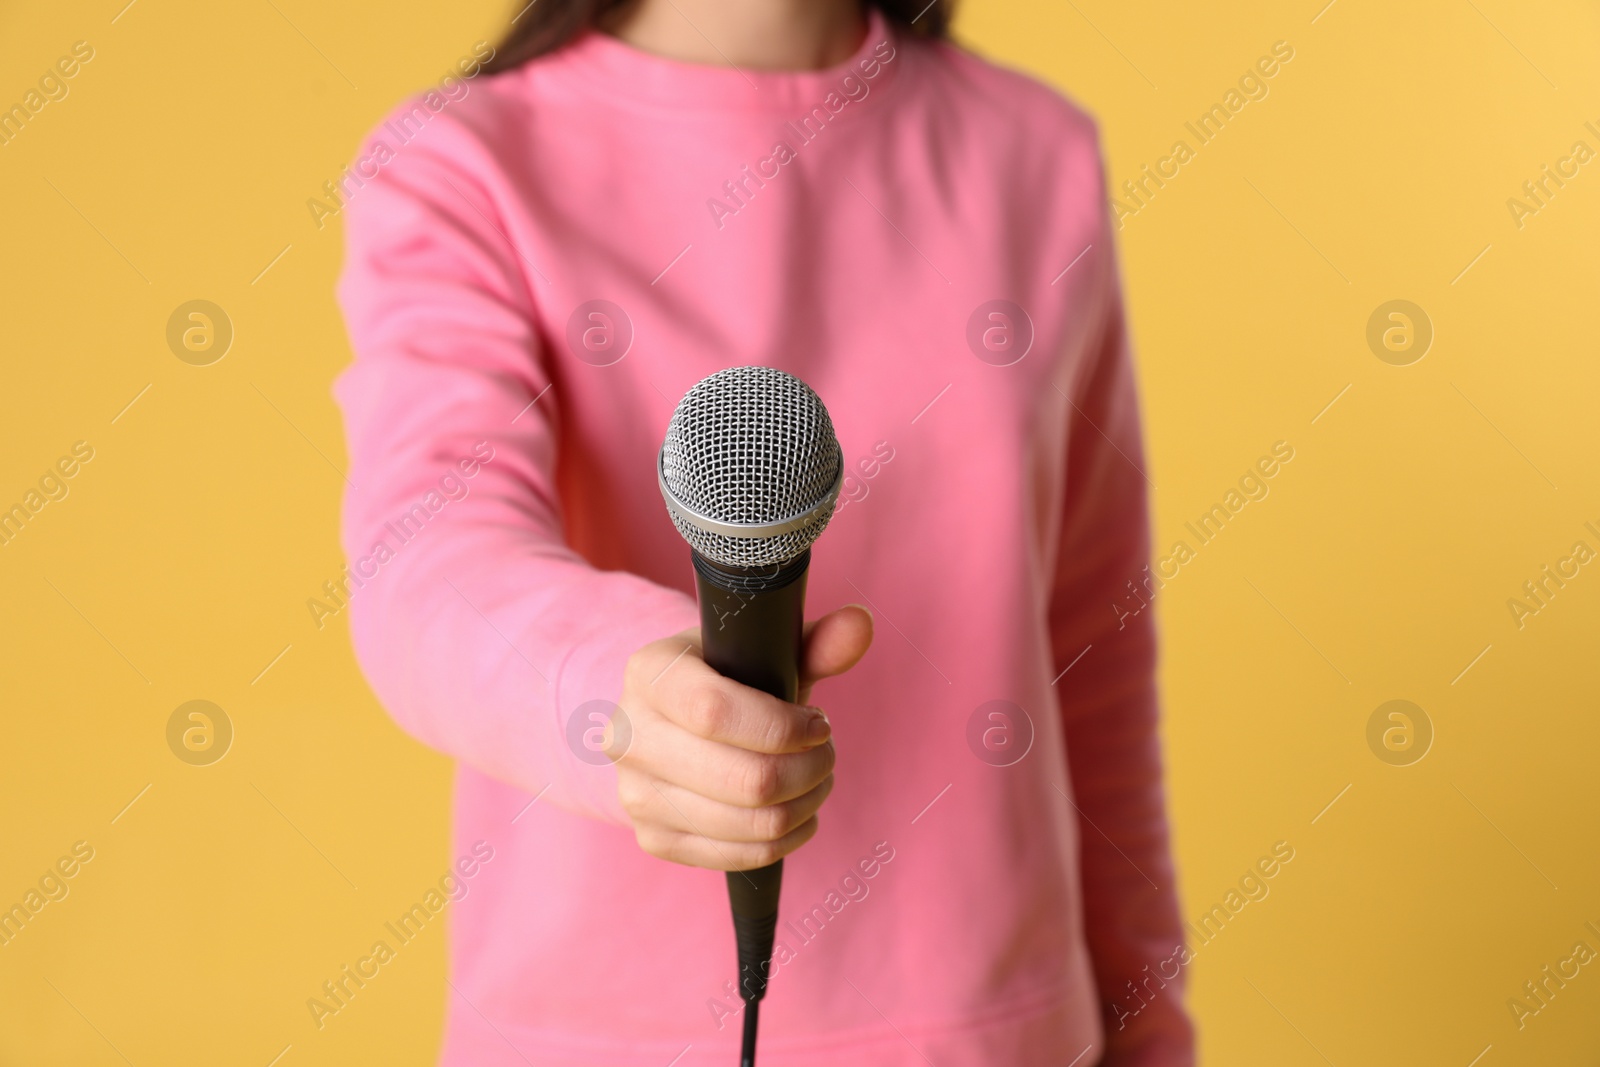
(747, 1050)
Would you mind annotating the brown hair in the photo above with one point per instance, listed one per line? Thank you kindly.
(546, 25)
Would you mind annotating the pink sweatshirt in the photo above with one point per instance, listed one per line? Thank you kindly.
(539, 264)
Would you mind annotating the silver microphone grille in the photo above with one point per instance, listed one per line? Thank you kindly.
(750, 468)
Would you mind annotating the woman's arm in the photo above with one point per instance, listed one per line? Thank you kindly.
(479, 628)
(482, 632)
(1109, 705)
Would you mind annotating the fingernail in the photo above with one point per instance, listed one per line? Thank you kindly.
(818, 728)
(864, 608)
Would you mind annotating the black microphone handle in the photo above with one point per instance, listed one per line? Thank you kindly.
(751, 623)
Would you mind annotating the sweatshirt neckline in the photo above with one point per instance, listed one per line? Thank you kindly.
(616, 68)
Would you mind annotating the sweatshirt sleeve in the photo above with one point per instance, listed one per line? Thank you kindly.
(1109, 704)
(481, 631)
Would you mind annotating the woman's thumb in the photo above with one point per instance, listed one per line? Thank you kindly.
(834, 643)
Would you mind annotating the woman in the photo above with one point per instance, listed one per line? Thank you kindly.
(630, 197)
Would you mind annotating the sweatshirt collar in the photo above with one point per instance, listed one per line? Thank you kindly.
(614, 68)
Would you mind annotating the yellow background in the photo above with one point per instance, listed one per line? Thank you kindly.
(1378, 568)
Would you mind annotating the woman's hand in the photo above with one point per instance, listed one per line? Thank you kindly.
(716, 774)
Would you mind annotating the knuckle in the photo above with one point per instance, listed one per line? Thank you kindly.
(708, 708)
(651, 842)
(772, 822)
(633, 669)
(617, 738)
(763, 853)
(674, 850)
(618, 741)
(632, 792)
(642, 666)
(761, 779)
(666, 845)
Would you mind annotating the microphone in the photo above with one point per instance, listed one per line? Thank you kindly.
(750, 470)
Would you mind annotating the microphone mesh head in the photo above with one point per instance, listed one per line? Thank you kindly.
(750, 447)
